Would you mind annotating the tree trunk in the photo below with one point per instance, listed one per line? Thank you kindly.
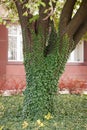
(42, 74)
(45, 55)
(44, 64)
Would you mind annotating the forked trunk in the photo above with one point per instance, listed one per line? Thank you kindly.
(43, 73)
(46, 52)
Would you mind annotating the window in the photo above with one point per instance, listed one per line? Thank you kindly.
(78, 54)
(15, 46)
(15, 43)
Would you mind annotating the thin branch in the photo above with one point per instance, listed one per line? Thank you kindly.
(42, 15)
(50, 14)
(50, 10)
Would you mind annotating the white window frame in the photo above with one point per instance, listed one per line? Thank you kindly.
(72, 58)
(19, 39)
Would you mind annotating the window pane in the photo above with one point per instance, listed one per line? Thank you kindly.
(20, 32)
(21, 51)
(12, 51)
(77, 55)
(15, 52)
(12, 30)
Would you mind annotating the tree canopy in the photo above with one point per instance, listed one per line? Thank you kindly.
(72, 12)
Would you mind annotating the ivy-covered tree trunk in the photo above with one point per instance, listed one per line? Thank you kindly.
(42, 74)
(46, 52)
(44, 61)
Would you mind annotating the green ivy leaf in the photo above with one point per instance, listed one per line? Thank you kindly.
(34, 18)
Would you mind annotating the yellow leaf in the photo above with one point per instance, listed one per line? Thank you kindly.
(48, 116)
(1, 127)
(40, 124)
(25, 124)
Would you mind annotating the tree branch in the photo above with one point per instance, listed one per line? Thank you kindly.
(21, 10)
(66, 14)
(24, 20)
(44, 24)
(78, 19)
(80, 32)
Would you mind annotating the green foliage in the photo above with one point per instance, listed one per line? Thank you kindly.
(32, 6)
(42, 74)
(35, 17)
(11, 11)
(70, 114)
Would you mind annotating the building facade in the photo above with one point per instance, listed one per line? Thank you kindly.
(12, 72)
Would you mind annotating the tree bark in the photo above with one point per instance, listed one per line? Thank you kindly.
(75, 27)
(80, 32)
(80, 16)
(66, 15)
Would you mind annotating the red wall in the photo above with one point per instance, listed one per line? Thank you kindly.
(12, 74)
(76, 71)
(3, 49)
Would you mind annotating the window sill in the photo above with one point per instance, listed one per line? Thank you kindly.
(68, 64)
(15, 63)
(77, 63)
